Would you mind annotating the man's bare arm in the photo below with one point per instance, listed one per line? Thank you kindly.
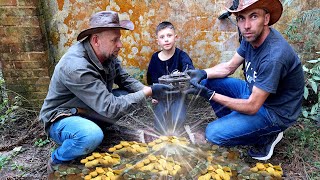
(246, 106)
(225, 69)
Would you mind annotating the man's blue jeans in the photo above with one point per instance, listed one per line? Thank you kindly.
(76, 136)
(233, 128)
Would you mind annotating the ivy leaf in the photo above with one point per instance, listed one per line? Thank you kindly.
(314, 109)
(305, 69)
(314, 85)
(317, 78)
(305, 113)
(313, 61)
(17, 149)
(306, 92)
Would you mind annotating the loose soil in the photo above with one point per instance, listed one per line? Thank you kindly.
(29, 161)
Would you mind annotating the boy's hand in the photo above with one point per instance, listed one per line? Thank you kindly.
(197, 75)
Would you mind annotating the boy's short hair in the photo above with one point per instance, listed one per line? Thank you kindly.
(163, 25)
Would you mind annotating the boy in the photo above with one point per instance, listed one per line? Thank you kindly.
(169, 114)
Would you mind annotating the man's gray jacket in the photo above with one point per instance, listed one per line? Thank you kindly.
(81, 81)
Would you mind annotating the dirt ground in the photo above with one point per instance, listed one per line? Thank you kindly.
(28, 161)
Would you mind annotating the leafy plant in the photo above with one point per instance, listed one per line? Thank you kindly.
(41, 142)
(311, 90)
(303, 30)
(3, 161)
(11, 105)
(7, 108)
(16, 166)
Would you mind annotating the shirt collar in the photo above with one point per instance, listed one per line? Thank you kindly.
(92, 56)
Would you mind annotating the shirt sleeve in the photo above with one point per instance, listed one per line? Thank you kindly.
(86, 85)
(186, 61)
(125, 81)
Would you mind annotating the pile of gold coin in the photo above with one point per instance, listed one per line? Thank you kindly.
(216, 172)
(158, 158)
(100, 159)
(131, 147)
(268, 169)
(163, 141)
(158, 164)
(103, 174)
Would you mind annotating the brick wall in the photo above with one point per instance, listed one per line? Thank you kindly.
(23, 50)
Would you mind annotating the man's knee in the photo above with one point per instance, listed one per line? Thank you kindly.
(214, 135)
(91, 137)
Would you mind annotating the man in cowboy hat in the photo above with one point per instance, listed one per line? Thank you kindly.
(84, 79)
(256, 111)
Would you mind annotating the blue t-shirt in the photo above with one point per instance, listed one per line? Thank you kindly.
(275, 67)
(157, 68)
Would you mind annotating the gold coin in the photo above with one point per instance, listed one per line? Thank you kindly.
(93, 174)
(119, 146)
(124, 143)
(83, 161)
(112, 149)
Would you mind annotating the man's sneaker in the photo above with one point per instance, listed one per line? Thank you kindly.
(264, 153)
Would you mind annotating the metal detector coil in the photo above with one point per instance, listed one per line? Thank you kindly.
(179, 80)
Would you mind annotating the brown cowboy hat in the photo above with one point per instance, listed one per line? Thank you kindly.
(104, 20)
(274, 7)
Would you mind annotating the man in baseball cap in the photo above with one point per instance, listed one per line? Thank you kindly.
(83, 80)
(257, 110)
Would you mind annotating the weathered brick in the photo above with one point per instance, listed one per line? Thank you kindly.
(28, 2)
(30, 21)
(8, 2)
(22, 31)
(12, 48)
(43, 80)
(10, 39)
(38, 56)
(18, 12)
(2, 31)
(23, 51)
(27, 81)
(36, 95)
(31, 87)
(24, 56)
(26, 65)
(26, 73)
(36, 45)
(12, 65)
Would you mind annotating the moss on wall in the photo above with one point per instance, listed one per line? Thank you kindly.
(206, 39)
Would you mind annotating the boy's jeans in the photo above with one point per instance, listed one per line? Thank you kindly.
(170, 115)
(76, 136)
(233, 128)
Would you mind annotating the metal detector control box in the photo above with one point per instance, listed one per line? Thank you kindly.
(180, 80)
